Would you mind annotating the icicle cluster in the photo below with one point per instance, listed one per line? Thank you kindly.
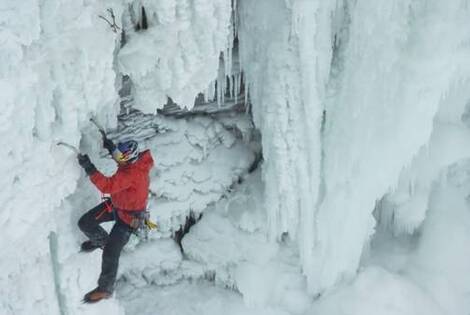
(178, 54)
(228, 82)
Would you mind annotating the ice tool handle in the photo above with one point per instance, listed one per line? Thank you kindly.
(100, 128)
(71, 147)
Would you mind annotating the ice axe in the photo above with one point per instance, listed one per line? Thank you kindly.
(71, 147)
(100, 128)
(107, 143)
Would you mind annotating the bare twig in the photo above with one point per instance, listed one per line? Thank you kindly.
(113, 25)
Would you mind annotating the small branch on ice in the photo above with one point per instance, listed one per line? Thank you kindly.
(113, 25)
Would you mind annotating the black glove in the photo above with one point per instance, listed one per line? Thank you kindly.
(85, 162)
(108, 144)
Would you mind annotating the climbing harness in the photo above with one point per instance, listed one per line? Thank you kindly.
(141, 224)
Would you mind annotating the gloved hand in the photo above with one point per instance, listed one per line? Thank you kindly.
(86, 164)
(108, 144)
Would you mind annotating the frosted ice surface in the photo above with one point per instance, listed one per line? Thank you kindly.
(379, 292)
(335, 140)
(191, 298)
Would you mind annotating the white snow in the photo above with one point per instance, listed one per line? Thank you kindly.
(441, 264)
(379, 292)
(191, 298)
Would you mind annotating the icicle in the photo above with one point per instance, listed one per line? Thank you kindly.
(247, 105)
(228, 56)
(228, 66)
(235, 18)
(224, 87)
(218, 85)
(219, 101)
(232, 86)
(227, 61)
(206, 93)
(226, 69)
(212, 91)
(239, 83)
(221, 80)
(237, 86)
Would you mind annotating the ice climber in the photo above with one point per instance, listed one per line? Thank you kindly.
(128, 189)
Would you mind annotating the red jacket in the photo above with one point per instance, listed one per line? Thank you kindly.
(128, 187)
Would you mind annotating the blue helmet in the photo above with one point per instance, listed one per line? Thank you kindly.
(126, 151)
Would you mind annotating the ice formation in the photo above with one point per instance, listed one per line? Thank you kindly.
(335, 138)
(198, 161)
(363, 109)
(287, 74)
(59, 68)
(178, 54)
(56, 70)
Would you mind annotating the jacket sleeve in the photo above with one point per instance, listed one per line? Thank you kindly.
(113, 184)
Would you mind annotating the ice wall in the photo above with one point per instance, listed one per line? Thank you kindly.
(391, 64)
(400, 61)
(56, 68)
(345, 94)
(59, 67)
(404, 209)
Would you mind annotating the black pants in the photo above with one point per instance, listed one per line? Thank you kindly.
(113, 243)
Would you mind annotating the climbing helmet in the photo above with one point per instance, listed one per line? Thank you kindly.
(126, 151)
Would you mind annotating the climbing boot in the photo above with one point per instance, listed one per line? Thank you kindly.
(89, 246)
(96, 295)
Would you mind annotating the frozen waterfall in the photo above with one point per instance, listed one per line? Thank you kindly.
(357, 113)
(344, 102)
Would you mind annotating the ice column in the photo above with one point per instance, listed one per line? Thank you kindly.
(401, 60)
(286, 54)
(395, 62)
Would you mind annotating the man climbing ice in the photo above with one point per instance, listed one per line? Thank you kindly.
(128, 189)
